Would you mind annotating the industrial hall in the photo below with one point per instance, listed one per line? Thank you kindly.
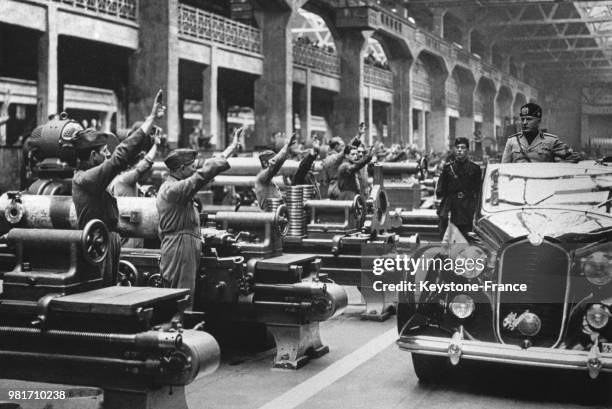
(279, 204)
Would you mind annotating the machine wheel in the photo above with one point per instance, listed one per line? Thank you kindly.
(128, 274)
(359, 209)
(155, 280)
(282, 220)
(94, 241)
(431, 369)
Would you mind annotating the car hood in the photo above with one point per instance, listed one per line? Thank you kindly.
(557, 223)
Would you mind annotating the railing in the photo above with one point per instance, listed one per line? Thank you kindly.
(452, 99)
(122, 9)
(315, 58)
(421, 90)
(377, 76)
(200, 24)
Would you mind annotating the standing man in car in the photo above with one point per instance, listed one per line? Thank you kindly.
(533, 144)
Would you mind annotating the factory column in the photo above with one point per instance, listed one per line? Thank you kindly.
(401, 128)
(349, 105)
(156, 64)
(48, 85)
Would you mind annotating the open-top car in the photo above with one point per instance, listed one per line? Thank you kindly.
(542, 295)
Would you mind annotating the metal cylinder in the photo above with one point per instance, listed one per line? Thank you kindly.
(252, 166)
(137, 215)
(295, 205)
(148, 339)
(273, 203)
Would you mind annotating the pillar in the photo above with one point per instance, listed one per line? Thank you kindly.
(156, 64)
(465, 123)
(370, 118)
(273, 89)
(210, 110)
(305, 108)
(506, 64)
(466, 40)
(48, 84)
(401, 124)
(438, 134)
(438, 22)
(349, 110)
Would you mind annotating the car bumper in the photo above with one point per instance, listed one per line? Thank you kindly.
(456, 348)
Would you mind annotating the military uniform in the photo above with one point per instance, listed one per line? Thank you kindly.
(458, 188)
(545, 147)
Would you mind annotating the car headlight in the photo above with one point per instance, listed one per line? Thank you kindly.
(597, 316)
(473, 261)
(462, 306)
(597, 268)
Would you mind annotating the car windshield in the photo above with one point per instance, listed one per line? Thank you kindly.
(579, 189)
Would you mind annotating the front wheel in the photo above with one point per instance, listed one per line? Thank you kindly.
(431, 369)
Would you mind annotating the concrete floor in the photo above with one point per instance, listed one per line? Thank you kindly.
(364, 370)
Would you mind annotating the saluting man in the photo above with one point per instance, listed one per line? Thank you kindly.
(533, 145)
(179, 220)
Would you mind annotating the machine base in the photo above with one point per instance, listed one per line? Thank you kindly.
(296, 344)
(379, 305)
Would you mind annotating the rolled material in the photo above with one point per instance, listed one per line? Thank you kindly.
(295, 205)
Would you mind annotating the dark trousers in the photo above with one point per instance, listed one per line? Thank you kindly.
(443, 224)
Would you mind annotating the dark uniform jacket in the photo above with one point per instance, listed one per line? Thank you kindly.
(458, 189)
(544, 148)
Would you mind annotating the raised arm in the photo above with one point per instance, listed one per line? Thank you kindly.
(354, 167)
(300, 175)
(185, 190)
(232, 147)
(276, 163)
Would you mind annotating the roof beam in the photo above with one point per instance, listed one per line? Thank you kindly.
(547, 21)
(561, 50)
(552, 37)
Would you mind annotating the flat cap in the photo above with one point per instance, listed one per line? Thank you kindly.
(179, 157)
(531, 109)
(88, 139)
(265, 155)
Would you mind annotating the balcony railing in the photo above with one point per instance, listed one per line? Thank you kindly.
(421, 90)
(202, 25)
(452, 99)
(122, 9)
(315, 58)
(377, 76)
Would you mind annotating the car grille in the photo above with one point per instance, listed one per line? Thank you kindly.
(544, 270)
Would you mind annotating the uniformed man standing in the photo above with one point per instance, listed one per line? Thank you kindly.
(534, 145)
(96, 170)
(458, 189)
(179, 220)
